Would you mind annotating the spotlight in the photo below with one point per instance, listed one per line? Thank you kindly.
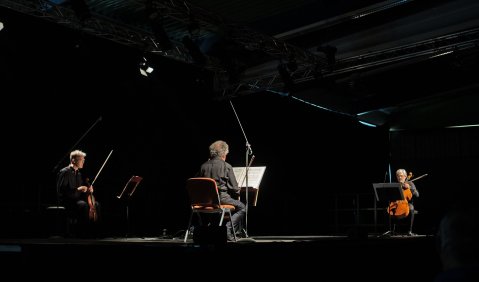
(145, 69)
(285, 76)
(292, 65)
(1, 25)
(194, 50)
(156, 23)
(330, 52)
(81, 9)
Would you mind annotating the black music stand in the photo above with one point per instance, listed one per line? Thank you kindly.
(128, 190)
(388, 192)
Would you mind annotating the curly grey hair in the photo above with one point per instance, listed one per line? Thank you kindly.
(219, 149)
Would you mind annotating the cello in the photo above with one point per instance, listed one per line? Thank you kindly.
(92, 213)
(400, 208)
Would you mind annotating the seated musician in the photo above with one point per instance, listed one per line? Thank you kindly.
(402, 177)
(73, 192)
(222, 172)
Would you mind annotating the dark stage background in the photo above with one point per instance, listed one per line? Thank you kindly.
(57, 83)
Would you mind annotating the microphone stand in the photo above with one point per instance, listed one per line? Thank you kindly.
(249, 152)
(79, 140)
(386, 175)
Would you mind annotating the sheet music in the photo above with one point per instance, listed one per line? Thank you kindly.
(255, 175)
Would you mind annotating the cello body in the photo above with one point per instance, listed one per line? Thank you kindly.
(92, 214)
(400, 208)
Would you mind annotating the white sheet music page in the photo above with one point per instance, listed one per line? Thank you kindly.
(255, 175)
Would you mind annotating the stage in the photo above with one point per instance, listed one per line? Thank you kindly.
(275, 257)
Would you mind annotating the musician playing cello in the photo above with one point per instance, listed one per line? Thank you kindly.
(402, 177)
(74, 191)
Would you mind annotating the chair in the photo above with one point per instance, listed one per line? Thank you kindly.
(405, 222)
(58, 221)
(204, 198)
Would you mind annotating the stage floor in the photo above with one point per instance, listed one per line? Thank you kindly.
(277, 257)
(180, 240)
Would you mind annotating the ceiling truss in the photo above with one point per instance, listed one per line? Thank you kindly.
(429, 49)
(310, 66)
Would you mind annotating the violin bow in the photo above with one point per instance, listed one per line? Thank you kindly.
(419, 177)
(104, 163)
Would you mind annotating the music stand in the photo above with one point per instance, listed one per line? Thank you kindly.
(128, 190)
(388, 192)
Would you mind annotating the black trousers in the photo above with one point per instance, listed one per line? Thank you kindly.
(238, 214)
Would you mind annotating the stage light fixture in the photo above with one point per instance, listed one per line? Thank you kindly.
(156, 23)
(195, 52)
(81, 9)
(330, 52)
(292, 64)
(285, 76)
(145, 69)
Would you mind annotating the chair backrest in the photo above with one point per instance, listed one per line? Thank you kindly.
(203, 192)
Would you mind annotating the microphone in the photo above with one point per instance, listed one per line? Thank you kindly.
(250, 151)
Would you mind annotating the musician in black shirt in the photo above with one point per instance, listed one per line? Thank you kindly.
(73, 192)
(222, 172)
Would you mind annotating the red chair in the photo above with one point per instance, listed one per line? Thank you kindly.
(204, 198)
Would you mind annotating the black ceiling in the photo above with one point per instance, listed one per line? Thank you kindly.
(401, 63)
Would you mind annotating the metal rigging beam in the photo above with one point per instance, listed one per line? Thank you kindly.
(420, 51)
(98, 26)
